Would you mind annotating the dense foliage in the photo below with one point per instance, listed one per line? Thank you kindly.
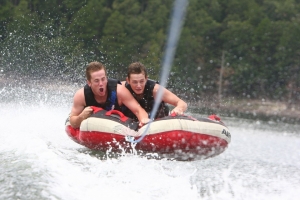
(260, 40)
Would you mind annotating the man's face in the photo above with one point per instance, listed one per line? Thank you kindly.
(137, 82)
(98, 83)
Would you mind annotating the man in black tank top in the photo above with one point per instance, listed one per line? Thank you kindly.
(102, 92)
(145, 91)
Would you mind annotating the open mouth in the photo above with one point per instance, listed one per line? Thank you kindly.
(101, 89)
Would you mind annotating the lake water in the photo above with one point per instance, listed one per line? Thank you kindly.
(39, 161)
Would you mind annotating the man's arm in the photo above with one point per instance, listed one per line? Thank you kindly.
(124, 97)
(78, 112)
(171, 98)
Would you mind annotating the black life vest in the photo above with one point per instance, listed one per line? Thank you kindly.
(147, 102)
(111, 101)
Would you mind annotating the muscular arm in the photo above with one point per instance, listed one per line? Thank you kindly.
(78, 112)
(124, 97)
(171, 98)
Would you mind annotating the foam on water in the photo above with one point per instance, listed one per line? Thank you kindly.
(39, 161)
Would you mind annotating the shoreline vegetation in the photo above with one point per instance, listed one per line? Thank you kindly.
(230, 48)
(261, 109)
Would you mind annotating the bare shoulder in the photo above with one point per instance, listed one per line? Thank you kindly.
(79, 92)
(156, 88)
(79, 97)
(123, 94)
(121, 90)
(78, 102)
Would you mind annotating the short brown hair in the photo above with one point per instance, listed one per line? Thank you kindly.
(136, 68)
(93, 67)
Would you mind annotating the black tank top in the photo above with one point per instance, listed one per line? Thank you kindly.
(112, 98)
(147, 102)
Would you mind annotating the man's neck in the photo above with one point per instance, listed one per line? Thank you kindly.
(101, 99)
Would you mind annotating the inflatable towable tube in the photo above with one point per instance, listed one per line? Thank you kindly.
(176, 137)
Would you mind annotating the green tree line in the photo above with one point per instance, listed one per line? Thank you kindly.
(259, 41)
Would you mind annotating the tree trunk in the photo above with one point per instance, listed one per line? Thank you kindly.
(221, 79)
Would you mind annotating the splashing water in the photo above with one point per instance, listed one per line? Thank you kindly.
(39, 161)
